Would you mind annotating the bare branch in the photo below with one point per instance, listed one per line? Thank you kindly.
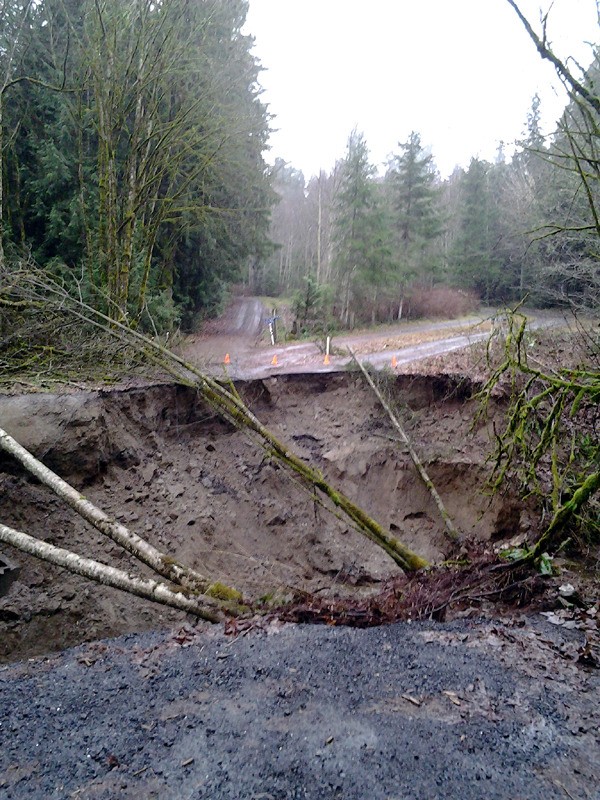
(573, 84)
(451, 530)
(109, 576)
(140, 548)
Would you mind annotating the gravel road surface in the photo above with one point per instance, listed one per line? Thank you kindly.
(241, 334)
(407, 712)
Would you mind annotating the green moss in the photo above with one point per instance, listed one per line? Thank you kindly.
(275, 599)
(221, 592)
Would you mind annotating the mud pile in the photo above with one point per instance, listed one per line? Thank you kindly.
(160, 461)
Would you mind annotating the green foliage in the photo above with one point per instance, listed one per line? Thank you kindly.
(361, 233)
(136, 150)
(474, 262)
(413, 194)
(549, 440)
(311, 307)
(543, 562)
(545, 565)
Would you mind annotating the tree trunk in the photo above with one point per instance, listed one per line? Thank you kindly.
(229, 405)
(161, 563)
(451, 530)
(109, 576)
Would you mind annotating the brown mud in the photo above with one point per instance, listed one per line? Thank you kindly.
(165, 465)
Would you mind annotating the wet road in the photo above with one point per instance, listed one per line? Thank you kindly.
(241, 334)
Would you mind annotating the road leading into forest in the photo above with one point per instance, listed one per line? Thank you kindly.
(242, 335)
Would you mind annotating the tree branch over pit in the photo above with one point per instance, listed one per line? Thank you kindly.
(142, 550)
(452, 531)
(173, 596)
(548, 437)
(32, 285)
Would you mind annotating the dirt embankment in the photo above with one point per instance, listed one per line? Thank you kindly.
(163, 463)
(454, 711)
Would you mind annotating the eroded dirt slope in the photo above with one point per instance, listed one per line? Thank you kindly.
(162, 462)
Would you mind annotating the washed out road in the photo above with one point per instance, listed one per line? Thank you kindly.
(473, 709)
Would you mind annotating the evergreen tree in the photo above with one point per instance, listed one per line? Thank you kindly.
(569, 272)
(361, 234)
(144, 171)
(411, 181)
(414, 201)
(475, 263)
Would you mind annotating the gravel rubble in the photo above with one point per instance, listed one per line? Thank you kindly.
(464, 710)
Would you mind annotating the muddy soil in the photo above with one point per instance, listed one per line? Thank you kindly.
(162, 463)
(459, 711)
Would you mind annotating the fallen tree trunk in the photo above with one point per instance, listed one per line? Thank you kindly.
(452, 531)
(39, 288)
(142, 550)
(566, 512)
(173, 596)
(235, 410)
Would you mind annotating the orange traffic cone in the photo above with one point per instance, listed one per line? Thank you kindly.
(394, 362)
(326, 359)
(227, 360)
(274, 361)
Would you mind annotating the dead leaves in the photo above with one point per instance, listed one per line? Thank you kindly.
(587, 621)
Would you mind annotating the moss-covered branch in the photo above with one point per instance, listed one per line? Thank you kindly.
(565, 513)
(549, 440)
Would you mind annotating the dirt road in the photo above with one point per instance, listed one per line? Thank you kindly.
(241, 333)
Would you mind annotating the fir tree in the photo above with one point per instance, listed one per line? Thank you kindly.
(361, 233)
(414, 199)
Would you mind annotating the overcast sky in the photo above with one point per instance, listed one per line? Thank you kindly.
(460, 72)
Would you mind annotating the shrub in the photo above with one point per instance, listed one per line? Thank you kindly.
(439, 301)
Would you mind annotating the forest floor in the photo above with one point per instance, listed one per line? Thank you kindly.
(495, 702)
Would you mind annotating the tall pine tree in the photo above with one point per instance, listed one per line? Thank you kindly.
(415, 206)
(361, 234)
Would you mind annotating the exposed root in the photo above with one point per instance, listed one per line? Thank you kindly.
(425, 595)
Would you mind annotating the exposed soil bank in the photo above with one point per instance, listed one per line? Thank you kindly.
(162, 463)
(417, 711)
(464, 711)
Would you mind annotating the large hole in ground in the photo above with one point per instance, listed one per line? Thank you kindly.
(160, 461)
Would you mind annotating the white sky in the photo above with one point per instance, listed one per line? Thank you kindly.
(460, 72)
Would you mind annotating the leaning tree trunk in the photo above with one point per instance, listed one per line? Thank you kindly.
(110, 576)
(145, 552)
(451, 529)
(229, 405)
